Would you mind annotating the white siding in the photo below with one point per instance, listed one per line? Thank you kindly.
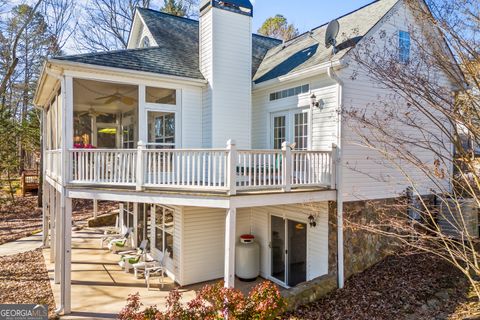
(203, 239)
(226, 62)
(364, 175)
(323, 125)
(192, 130)
(206, 65)
(203, 244)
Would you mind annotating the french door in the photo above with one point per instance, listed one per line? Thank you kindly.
(291, 126)
(288, 245)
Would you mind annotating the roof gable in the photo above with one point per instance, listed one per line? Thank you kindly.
(308, 49)
(182, 35)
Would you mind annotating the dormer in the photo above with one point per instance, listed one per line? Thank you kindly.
(140, 36)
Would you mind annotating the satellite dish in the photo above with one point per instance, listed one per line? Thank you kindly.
(331, 34)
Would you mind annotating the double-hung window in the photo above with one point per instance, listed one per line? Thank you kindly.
(403, 46)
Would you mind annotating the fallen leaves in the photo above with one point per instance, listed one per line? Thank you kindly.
(24, 279)
(418, 286)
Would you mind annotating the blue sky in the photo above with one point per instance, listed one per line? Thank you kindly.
(304, 14)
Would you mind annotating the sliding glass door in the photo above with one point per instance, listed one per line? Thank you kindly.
(288, 251)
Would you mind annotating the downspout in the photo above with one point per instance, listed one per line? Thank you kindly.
(338, 176)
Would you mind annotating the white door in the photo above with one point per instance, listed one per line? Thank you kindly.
(291, 126)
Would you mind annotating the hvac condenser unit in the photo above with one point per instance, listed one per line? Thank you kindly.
(456, 217)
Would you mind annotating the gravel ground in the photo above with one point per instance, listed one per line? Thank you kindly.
(418, 286)
(24, 279)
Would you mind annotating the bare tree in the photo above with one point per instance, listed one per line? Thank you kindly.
(105, 24)
(415, 126)
(61, 21)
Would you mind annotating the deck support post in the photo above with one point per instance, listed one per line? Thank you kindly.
(230, 230)
(45, 213)
(51, 209)
(58, 236)
(287, 166)
(66, 256)
(95, 208)
(232, 167)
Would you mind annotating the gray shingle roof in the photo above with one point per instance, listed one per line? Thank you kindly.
(177, 53)
(182, 34)
(307, 50)
(159, 60)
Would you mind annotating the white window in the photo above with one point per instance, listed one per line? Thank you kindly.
(403, 46)
(164, 229)
(145, 42)
(291, 126)
(301, 130)
(161, 129)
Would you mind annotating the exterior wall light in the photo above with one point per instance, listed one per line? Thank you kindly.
(311, 221)
(316, 103)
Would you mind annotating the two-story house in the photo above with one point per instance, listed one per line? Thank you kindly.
(203, 131)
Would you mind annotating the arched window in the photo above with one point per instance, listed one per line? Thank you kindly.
(145, 42)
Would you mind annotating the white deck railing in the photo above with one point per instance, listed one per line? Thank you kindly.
(226, 170)
(53, 160)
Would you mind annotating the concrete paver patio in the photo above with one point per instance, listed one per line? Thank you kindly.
(100, 287)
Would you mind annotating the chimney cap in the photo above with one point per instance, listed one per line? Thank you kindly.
(239, 6)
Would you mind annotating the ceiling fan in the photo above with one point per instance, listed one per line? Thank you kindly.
(92, 113)
(117, 96)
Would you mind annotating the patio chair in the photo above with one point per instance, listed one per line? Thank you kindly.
(128, 260)
(141, 248)
(159, 269)
(109, 236)
(115, 245)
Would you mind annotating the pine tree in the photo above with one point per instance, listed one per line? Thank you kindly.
(175, 8)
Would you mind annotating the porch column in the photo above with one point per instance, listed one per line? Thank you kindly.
(134, 241)
(95, 208)
(120, 217)
(58, 237)
(230, 227)
(66, 256)
(45, 213)
(51, 211)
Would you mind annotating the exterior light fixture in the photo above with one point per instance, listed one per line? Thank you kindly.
(316, 103)
(311, 221)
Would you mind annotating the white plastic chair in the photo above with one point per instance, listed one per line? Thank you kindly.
(133, 257)
(149, 271)
(109, 237)
(115, 245)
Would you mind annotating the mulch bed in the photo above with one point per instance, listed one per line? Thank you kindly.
(22, 218)
(24, 279)
(416, 286)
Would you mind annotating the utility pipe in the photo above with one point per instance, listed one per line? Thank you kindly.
(338, 176)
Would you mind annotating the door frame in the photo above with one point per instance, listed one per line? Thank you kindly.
(290, 125)
(285, 218)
